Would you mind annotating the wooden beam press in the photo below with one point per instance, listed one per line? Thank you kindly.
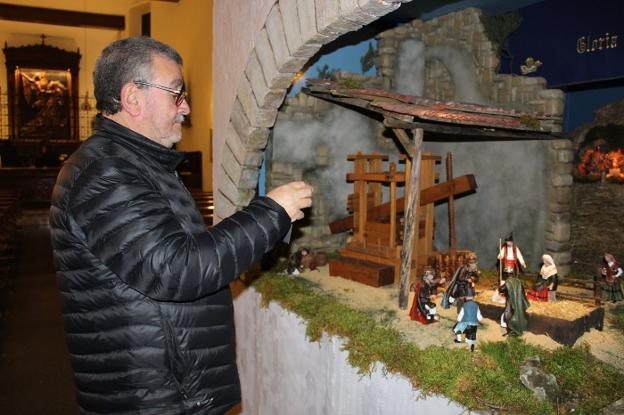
(414, 150)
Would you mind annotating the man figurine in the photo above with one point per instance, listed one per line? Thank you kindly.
(545, 287)
(423, 308)
(468, 319)
(294, 262)
(299, 261)
(611, 279)
(147, 307)
(514, 318)
(463, 283)
(511, 256)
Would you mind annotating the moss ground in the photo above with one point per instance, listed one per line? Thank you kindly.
(486, 380)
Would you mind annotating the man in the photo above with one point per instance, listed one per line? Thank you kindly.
(462, 284)
(468, 320)
(144, 284)
(423, 308)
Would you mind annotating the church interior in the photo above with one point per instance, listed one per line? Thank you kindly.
(437, 134)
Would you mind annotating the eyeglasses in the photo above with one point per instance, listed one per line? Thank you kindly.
(179, 94)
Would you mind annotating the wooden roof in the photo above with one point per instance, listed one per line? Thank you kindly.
(441, 117)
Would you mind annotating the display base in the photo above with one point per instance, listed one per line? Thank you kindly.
(560, 330)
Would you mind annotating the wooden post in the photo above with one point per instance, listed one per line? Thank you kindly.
(411, 212)
(362, 211)
(376, 165)
(408, 174)
(451, 206)
(424, 244)
(359, 188)
(393, 209)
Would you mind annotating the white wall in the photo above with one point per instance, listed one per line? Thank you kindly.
(282, 373)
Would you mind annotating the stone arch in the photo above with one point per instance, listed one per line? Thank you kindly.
(293, 32)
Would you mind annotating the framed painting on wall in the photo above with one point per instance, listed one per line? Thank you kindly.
(43, 93)
(43, 98)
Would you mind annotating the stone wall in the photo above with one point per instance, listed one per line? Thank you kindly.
(313, 232)
(558, 235)
(596, 208)
(596, 225)
(464, 31)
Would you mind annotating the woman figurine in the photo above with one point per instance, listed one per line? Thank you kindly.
(514, 318)
(612, 279)
(547, 281)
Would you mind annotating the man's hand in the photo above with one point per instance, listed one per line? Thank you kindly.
(293, 197)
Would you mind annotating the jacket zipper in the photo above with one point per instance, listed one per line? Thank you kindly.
(171, 350)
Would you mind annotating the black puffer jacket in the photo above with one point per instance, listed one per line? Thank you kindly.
(144, 285)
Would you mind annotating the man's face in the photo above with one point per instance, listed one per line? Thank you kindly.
(163, 118)
(509, 243)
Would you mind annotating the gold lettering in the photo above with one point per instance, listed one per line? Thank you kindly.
(587, 44)
(581, 46)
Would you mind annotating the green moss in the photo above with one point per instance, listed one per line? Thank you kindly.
(578, 371)
(332, 255)
(530, 122)
(488, 380)
(617, 318)
(351, 84)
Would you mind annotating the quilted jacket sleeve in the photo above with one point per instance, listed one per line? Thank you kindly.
(131, 228)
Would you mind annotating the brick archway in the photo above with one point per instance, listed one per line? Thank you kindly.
(293, 32)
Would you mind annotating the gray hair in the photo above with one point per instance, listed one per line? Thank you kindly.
(124, 61)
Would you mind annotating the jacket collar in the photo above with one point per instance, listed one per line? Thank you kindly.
(139, 143)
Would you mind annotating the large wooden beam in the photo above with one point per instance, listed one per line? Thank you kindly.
(377, 177)
(438, 192)
(60, 17)
(471, 132)
(411, 216)
(451, 207)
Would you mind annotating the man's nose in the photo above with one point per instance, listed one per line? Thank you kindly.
(184, 107)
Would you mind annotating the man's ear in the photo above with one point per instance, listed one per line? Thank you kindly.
(132, 99)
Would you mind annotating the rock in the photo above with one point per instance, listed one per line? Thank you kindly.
(570, 403)
(544, 385)
(615, 408)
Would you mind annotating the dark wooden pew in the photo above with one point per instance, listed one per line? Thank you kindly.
(205, 205)
(10, 209)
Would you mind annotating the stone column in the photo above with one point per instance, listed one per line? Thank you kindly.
(558, 221)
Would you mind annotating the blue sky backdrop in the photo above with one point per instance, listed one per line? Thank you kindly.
(345, 59)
